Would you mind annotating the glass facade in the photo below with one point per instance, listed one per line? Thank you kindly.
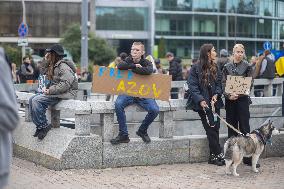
(120, 18)
(176, 5)
(221, 22)
(44, 19)
(184, 24)
(242, 6)
(173, 24)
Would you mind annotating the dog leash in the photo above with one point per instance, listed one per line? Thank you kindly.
(222, 119)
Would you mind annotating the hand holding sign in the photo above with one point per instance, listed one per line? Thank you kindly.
(115, 81)
(236, 85)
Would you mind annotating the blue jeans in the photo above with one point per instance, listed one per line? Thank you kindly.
(38, 105)
(149, 105)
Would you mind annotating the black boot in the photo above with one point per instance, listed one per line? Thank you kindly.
(247, 161)
(144, 135)
(36, 132)
(213, 159)
(221, 158)
(43, 132)
(120, 139)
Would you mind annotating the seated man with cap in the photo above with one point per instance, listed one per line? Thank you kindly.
(63, 85)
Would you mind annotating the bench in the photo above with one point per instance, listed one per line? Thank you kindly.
(67, 148)
(84, 109)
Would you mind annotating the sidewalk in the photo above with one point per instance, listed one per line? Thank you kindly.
(26, 175)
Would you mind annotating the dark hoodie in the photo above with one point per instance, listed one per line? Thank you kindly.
(146, 69)
(175, 69)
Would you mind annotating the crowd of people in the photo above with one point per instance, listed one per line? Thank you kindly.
(206, 80)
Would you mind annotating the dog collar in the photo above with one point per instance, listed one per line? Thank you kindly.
(260, 136)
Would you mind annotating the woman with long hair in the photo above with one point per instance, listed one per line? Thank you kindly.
(63, 84)
(205, 91)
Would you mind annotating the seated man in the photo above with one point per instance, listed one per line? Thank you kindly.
(138, 65)
(63, 84)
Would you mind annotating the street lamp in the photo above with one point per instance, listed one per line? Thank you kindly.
(84, 35)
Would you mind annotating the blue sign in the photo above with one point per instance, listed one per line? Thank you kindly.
(23, 30)
(267, 45)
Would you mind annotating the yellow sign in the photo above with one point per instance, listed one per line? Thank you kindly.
(115, 81)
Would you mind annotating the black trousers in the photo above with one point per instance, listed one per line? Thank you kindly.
(211, 132)
(237, 114)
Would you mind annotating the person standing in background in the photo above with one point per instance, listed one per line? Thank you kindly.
(175, 70)
(223, 59)
(26, 71)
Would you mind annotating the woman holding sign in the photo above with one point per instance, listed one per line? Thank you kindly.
(237, 105)
(205, 91)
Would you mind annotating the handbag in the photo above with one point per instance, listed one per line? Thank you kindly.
(190, 105)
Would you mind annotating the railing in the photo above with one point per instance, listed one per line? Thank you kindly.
(85, 88)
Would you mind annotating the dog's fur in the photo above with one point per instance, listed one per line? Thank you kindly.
(252, 145)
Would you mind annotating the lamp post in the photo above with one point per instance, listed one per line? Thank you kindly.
(84, 35)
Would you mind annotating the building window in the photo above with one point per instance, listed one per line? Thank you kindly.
(264, 28)
(267, 8)
(173, 24)
(242, 6)
(209, 5)
(112, 18)
(44, 19)
(181, 5)
(241, 26)
(281, 29)
(205, 25)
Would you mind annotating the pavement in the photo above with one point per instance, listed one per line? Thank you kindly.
(27, 175)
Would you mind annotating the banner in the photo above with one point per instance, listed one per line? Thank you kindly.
(115, 81)
(238, 85)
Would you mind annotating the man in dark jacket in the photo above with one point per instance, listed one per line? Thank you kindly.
(141, 66)
(223, 59)
(8, 118)
(175, 70)
(27, 70)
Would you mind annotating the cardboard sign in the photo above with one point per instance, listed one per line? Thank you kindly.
(238, 85)
(115, 81)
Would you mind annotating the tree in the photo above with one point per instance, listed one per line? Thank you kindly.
(162, 48)
(71, 40)
(99, 52)
(14, 54)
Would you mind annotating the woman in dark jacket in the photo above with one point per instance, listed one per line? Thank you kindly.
(237, 105)
(205, 88)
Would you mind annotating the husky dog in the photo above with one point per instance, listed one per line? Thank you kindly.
(251, 145)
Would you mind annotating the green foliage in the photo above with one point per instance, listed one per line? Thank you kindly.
(100, 53)
(71, 40)
(14, 54)
(162, 48)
